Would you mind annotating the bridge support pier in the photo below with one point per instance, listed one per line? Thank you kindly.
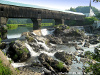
(3, 27)
(59, 21)
(36, 23)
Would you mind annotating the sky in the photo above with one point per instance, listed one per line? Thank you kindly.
(59, 4)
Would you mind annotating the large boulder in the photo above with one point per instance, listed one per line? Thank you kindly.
(52, 65)
(18, 51)
(69, 34)
(67, 58)
(94, 39)
(54, 40)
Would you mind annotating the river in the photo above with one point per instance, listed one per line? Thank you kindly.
(16, 33)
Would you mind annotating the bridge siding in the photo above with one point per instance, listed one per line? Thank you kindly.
(11, 11)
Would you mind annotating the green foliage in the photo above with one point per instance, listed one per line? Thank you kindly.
(96, 0)
(67, 27)
(98, 15)
(17, 21)
(28, 25)
(25, 49)
(12, 26)
(85, 9)
(89, 20)
(17, 69)
(88, 54)
(4, 70)
(72, 22)
(93, 67)
(46, 24)
(60, 65)
(72, 9)
(15, 56)
(95, 56)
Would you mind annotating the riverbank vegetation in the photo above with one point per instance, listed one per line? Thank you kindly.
(84, 9)
(14, 23)
(95, 68)
(4, 70)
(14, 26)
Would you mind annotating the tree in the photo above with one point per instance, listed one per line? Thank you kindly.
(98, 15)
(89, 20)
(86, 9)
(72, 9)
(96, 0)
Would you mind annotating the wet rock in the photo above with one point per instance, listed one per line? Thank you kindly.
(3, 45)
(97, 51)
(18, 51)
(36, 47)
(4, 27)
(87, 44)
(52, 64)
(79, 68)
(36, 64)
(27, 34)
(67, 58)
(30, 39)
(55, 40)
(73, 32)
(47, 72)
(84, 60)
(94, 41)
(79, 48)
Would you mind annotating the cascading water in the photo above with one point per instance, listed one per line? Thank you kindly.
(33, 53)
(43, 45)
(47, 31)
(46, 50)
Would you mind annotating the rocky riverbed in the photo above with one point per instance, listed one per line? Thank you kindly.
(61, 52)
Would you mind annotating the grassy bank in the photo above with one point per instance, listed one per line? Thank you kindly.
(4, 70)
(14, 26)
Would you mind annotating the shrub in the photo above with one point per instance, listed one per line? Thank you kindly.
(4, 70)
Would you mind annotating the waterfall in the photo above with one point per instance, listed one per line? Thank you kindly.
(47, 31)
(15, 65)
(33, 53)
(43, 45)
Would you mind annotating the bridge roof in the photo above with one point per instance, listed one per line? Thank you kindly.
(35, 6)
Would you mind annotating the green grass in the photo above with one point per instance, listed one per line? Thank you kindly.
(60, 65)
(29, 25)
(25, 49)
(46, 24)
(12, 26)
(4, 70)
